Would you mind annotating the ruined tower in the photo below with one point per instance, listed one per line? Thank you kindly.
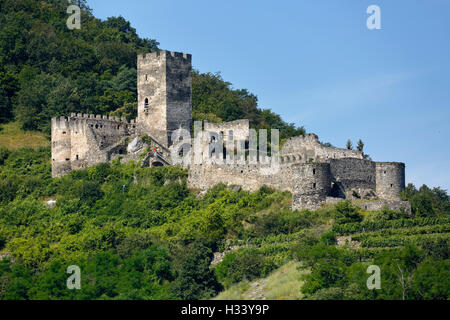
(164, 84)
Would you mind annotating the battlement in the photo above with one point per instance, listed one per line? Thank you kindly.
(310, 170)
(148, 57)
(65, 121)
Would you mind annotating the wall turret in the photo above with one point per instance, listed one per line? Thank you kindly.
(311, 183)
(61, 146)
(390, 180)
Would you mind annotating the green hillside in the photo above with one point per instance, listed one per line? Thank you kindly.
(141, 233)
(13, 137)
(47, 70)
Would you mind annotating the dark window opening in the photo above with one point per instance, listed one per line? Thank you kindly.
(314, 171)
(384, 172)
(230, 135)
(64, 132)
(76, 157)
(157, 164)
(146, 77)
(314, 185)
(67, 159)
(146, 103)
(96, 126)
(391, 185)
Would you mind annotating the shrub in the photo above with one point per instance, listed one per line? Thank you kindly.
(345, 212)
(246, 264)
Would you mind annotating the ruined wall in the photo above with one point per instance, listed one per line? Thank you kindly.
(390, 180)
(307, 147)
(311, 171)
(238, 130)
(248, 176)
(83, 140)
(391, 204)
(352, 174)
(164, 93)
(310, 185)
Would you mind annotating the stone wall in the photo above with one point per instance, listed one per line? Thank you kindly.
(391, 204)
(164, 94)
(80, 141)
(390, 177)
(238, 130)
(313, 172)
(307, 148)
(311, 184)
(352, 175)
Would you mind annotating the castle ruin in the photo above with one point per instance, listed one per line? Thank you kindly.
(315, 174)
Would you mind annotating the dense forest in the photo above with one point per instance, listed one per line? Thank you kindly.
(140, 233)
(48, 70)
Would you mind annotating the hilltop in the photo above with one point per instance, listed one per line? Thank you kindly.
(141, 233)
(47, 70)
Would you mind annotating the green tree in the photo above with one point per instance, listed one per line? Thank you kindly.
(360, 146)
(349, 145)
(195, 279)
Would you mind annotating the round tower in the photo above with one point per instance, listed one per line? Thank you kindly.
(311, 185)
(390, 180)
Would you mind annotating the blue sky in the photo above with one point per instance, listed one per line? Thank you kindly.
(317, 64)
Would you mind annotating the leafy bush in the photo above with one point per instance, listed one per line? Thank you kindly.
(246, 264)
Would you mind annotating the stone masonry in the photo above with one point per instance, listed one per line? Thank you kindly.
(315, 174)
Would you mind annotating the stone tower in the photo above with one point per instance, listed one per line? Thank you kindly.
(164, 83)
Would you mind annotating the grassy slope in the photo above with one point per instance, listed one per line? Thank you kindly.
(282, 284)
(13, 137)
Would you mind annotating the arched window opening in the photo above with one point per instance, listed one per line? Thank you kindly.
(146, 103)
